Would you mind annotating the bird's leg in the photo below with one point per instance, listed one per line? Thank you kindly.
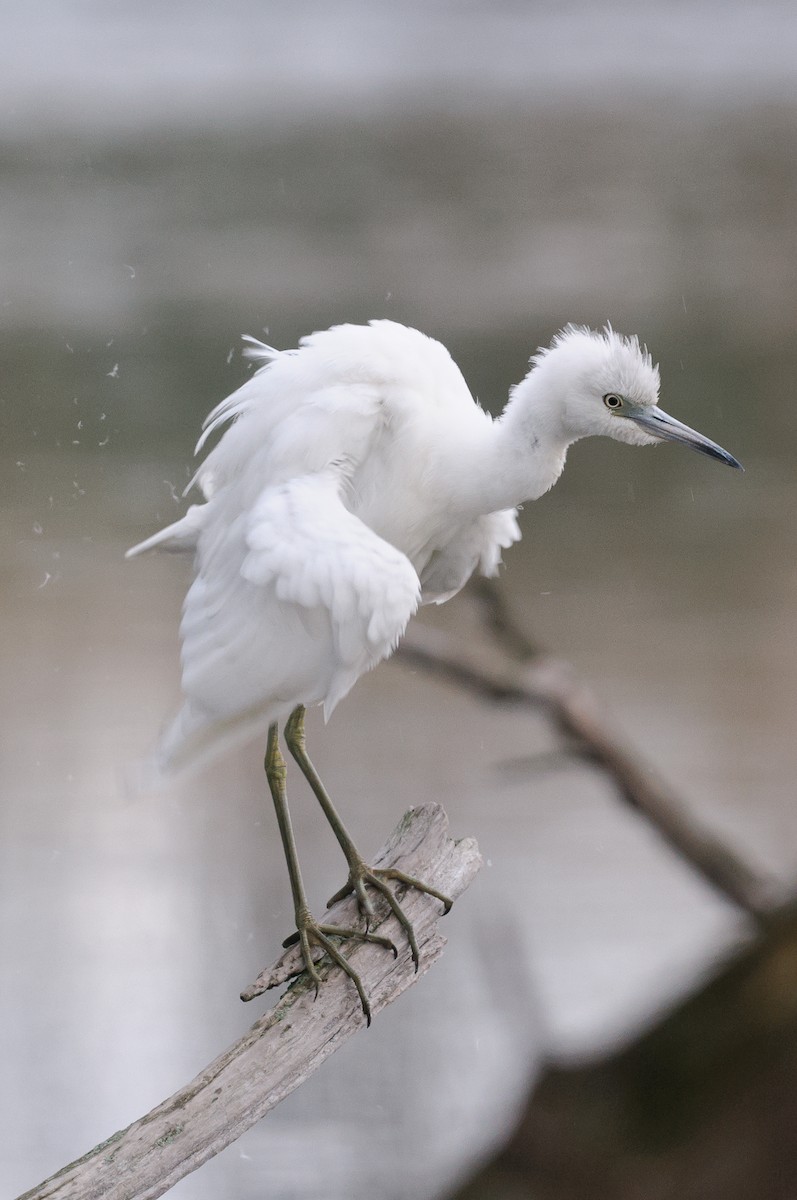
(308, 930)
(360, 874)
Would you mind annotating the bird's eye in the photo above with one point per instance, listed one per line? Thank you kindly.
(612, 400)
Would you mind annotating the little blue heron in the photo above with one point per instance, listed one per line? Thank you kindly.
(358, 479)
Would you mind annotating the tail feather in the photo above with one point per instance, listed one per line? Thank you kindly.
(180, 536)
(194, 739)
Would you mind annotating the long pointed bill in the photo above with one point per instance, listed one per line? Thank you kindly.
(660, 425)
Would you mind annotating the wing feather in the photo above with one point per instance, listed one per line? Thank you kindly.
(297, 601)
(295, 596)
(478, 545)
(305, 543)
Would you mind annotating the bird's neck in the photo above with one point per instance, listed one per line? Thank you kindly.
(524, 454)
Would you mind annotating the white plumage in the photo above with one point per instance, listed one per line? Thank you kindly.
(357, 479)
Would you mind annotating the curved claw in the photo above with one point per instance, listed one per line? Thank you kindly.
(309, 965)
(362, 876)
(310, 931)
(401, 917)
(346, 967)
(401, 877)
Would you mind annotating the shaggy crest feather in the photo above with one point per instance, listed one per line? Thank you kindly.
(625, 359)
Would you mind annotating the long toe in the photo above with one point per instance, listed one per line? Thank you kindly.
(311, 933)
(363, 936)
(419, 885)
(362, 877)
(345, 966)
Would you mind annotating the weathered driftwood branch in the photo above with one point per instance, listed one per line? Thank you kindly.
(285, 1045)
(532, 678)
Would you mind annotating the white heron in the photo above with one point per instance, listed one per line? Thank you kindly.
(357, 479)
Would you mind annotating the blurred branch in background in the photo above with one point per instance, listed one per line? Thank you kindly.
(703, 1106)
(286, 1045)
(522, 674)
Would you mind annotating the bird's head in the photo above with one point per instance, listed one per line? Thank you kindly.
(608, 384)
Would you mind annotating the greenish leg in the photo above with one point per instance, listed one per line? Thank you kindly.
(308, 930)
(360, 874)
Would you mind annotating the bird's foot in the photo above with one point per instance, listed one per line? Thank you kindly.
(361, 876)
(310, 932)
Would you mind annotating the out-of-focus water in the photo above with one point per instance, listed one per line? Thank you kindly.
(126, 65)
(152, 213)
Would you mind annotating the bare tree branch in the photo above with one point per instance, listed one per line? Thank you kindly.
(286, 1044)
(539, 681)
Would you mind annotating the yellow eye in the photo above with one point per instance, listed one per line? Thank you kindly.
(612, 400)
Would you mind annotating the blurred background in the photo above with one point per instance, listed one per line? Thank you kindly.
(173, 176)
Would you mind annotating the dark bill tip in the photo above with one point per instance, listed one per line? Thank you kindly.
(721, 455)
(663, 426)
